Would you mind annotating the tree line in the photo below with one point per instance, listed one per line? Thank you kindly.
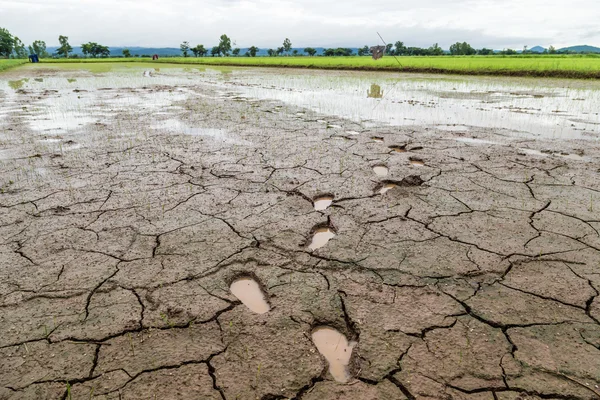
(12, 47)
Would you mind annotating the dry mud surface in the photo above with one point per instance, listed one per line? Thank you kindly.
(470, 271)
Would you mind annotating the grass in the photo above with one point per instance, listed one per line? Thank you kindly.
(6, 64)
(565, 66)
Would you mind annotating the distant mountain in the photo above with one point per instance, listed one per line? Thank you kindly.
(537, 49)
(580, 49)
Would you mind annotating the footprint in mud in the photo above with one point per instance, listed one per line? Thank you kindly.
(416, 161)
(321, 235)
(380, 170)
(398, 148)
(386, 187)
(409, 181)
(377, 139)
(249, 292)
(337, 351)
(323, 201)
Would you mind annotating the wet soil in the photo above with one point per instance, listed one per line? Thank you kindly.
(476, 275)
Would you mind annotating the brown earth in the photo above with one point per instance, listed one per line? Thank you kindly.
(477, 280)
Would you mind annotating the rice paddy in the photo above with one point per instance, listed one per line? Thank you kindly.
(567, 66)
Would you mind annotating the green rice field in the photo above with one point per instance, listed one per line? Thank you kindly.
(565, 66)
(6, 64)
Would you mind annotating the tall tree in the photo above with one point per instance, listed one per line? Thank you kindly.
(272, 53)
(252, 51)
(86, 48)
(65, 48)
(6, 43)
(551, 50)
(287, 45)
(329, 52)
(400, 48)
(38, 47)
(126, 53)
(19, 48)
(184, 47)
(225, 45)
(215, 51)
(280, 50)
(236, 52)
(199, 50)
(295, 52)
(435, 50)
(94, 49)
(363, 51)
(310, 51)
(388, 49)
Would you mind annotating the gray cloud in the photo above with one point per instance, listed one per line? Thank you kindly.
(265, 23)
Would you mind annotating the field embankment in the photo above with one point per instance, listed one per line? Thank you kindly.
(6, 64)
(560, 66)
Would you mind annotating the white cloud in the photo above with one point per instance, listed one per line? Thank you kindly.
(265, 23)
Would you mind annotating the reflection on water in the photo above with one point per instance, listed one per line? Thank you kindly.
(375, 92)
(519, 107)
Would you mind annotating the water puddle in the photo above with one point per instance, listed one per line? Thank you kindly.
(337, 351)
(380, 170)
(322, 202)
(546, 153)
(398, 148)
(249, 292)
(178, 127)
(416, 161)
(474, 141)
(322, 234)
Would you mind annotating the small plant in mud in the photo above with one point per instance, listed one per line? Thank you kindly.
(166, 320)
(131, 344)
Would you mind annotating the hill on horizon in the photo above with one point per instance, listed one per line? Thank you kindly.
(581, 49)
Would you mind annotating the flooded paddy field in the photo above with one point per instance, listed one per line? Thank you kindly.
(222, 233)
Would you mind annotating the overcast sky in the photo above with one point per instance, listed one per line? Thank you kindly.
(265, 23)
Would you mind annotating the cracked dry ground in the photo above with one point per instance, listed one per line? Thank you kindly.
(477, 280)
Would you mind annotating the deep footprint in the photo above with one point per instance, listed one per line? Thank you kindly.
(398, 148)
(249, 292)
(337, 351)
(322, 234)
(322, 202)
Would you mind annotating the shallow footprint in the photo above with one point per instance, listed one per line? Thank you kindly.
(416, 161)
(322, 202)
(380, 170)
(248, 291)
(337, 351)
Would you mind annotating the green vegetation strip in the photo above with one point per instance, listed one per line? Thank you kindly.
(6, 64)
(564, 66)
